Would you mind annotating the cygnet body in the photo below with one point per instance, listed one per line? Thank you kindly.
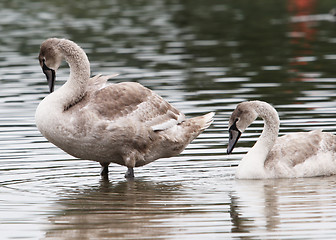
(302, 154)
(124, 123)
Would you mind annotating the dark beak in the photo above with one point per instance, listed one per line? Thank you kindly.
(50, 75)
(234, 135)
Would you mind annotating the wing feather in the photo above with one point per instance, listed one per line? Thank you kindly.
(131, 101)
(311, 143)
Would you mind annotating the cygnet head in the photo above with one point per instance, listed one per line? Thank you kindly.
(50, 59)
(240, 119)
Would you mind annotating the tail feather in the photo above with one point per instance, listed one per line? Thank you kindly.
(185, 132)
(208, 119)
(198, 124)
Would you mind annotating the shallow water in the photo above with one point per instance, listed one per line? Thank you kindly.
(201, 56)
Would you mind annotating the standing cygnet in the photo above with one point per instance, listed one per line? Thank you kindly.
(304, 154)
(123, 123)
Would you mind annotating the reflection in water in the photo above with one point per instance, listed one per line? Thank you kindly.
(260, 207)
(123, 210)
(264, 202)
(302, 35)
(199, 55)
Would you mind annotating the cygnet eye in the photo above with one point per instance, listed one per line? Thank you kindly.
(44, 66)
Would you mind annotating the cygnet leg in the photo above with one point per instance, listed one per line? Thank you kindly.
(129, 173)
(104, 170)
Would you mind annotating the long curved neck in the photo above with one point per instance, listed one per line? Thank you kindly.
(252, 165)
(271, 124)
(74, 89)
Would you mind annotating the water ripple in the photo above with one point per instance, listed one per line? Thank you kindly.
(200, 56)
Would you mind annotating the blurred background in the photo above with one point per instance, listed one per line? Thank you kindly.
(201, 56)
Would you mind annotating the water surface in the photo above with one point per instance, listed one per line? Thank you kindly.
(201, 56)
